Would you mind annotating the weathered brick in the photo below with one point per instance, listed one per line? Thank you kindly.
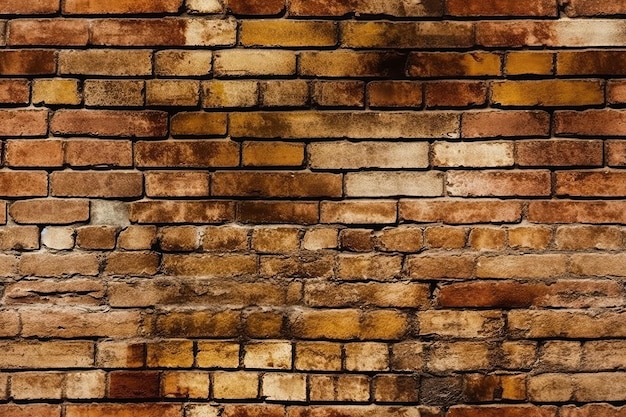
(559, 152)
(224, 239)
(264, 324)
(454, 64)
(575, 8)
(133, 384)
(502, 410)
(440, 266)
(396, 389)
(33, 153)
(109, 62)
(96, 237)
(278, 212)
(275, 184)
(576, 211)
(199, 324)
(92, 153)
(529, 63)
(123, 410)
(172, 93)
(56, 91)
(399, 8)
(204, 6)
(301, 266)
(385, 184)
(46, 354)
(217, 354)
(229, 93)
(48, 32)
(23, 122)
(55, 237)
(134, 263)
(235, 385)
(55, 211)
(288, 34)
(352, 64)
(268, 355)
(407, 356)
(450, 94)
(590, 184)
(460, 212)
(367, 356)
(27, 62)
(413, 35)
(85, 385)
(505, 124)
(187, 154)
(275, 239)
(498, 183)
(457, 356)
(318, 356)
(256, 7)
(327, 324)
(547, 93)
(36, 385)
(530, 237)
(358, 212)
(596, 264)
(19, 238)
(589, 237)
(109, 123)
(272, 154)
(589, 62)
(357, 411)
(524, 266)
(487, 239)
(394, 94)
(469, 154)
(96, 184)
(209, 265)
(253, 62)
(344, 388)
(115, 354)
(352, 155)
(578, 324)
(367, 294)
(54, 292)
(114, 93)
(384, 325)
(183, 63)
(18, 7)
(198, 124)
(339, 93)
(400, 239)
(507, 8)
(253, 410)
(170, 354)
(14, 91)
(177, 184)
(121, 7)
(460, 324)
(189, 384)
(446, 237)
(284, 93)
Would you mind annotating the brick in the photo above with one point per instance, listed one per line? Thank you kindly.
(561, 355)
(56, 92)
(224, 239)
(460, 324)
(10, 328)
(302, 266)
(352, 125)
(615, 153)
(356, 240)
(177, 184)
(530, 237)
(400, 239)
(14, 91)
(272, 154)
(502, 410)
(318, 356)
(254, 410)
(529, 63)
(96, 184)
(596, 264)
(514, 266)
(283, 239)
(96, 237)
(590, 409)
(22, 123)
(367, 294)
(48, 32)
(18, 7)
(366, 357)
(46, 355)
(43, 211)
(46, 264)
(450, 94)
(473, 154)
(339, 93)
(27, 62)
(92, 153)
(275, 184)
(284, 387)
(137, 237)
(589, 184)
(288, 34)
(394, 94)
(182, 63)
(352, 64)
(487, 239)
(589, 237)
(615, 92)
(121, 7)
(576, 212)
(454, 64)
(353, 155)
(235, 385)
(327, 324)
(396, 388)
(107, 62)
(179, 238)
(36, 385)
(134, 384)
(190, 384)
(278, 212)
(109, 123)
(163, 32)
(198, 124)
(85, 385)
(589, 63)
(268, 355)
(204, 6)
(601, 355)
(591, 8)
(229, 93)
(547, 93)
(253, 62)
(170, 354)
(356, 410)
(498, 183)
(358, 212)
(217, 354)
(198, 324)
(209, 265)
(457, 356)
(123, 410)
(187, 154)
(19, 238)
(388, 184)
(33, 153)
(264, 324)
(505, 124)
(115, 354)
(76, 322)
(559, 152)
(256, 7)
(550, 387)
(122, 263)
(460, 212)
(345, 388)
(447, 237)
(407, 356)
(114, 93)
(172, 93)
(51, 292)
(284, 93)
(578, 324)
(440, 266)
(399, 8)
(58, 237)
(410, 35)
(501, 8)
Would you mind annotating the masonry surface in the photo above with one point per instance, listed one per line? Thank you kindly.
(312, 208)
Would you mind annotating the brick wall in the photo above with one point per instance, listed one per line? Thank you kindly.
(319, 208)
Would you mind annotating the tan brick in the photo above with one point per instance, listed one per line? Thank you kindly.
(272, 154)
(346, 63)
(284, 387)
(390, 184)
(85, 385)
(398, 8)
(297, 266)
(58, 237)
(96, 237)
(530, 237)
(589, 237)
(460, 212)
(457, 356)
(182, 63)
(217, 354)
(172, 92)
(356, 240)
(508, 410)
(466, 154)
(407, 356)
(48, 264)
(565, 324)
(109, 123)
(358, 211)
(41, 7)
(204, 6)
(96, 184)
(352, 155)
(137, 237)
(78, 291)
(46, 355)
(367, 356)
(487, 239)
(181, 212)
(285, 33)
(282, 93)
(460, 324)
(224, 239)
(400, 239)
(170, 354)
(198, 324)
(235, 385)
(19, 238)
(446, 237)
(190, 384)
(229, 93)
(368, 266)
(186, 154)
(120, 410)
(209, 265)
(198, 124)
(339, 93)
(36, 385)
(264, 324)
(318, 356)
(348, 388)
(251, 62)
(283, 239)
(23, 122)
(521, 266)
(498, 183)
(331, 324)
(268, 355)
(116, 354)
(440, 266)
(109, 62)
(176, 184)
(110, 93)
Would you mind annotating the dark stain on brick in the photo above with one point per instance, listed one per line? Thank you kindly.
(130, 384)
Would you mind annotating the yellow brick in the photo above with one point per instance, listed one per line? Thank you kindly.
(230, 93)
(218, 355)
(56, 91)
(192, 384)
(287, 33)
(548, 93)
(527, 63)
(235, 385)
(170, 354)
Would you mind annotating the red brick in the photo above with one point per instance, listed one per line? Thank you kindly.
(505, 124)
(498, 183)
(590, 63)
(48, 32)
(98, 153)
(198, 124)
(590, 184)
(278, 212)
(96, 184)
(23, 183)
(34, 153)
(506, 8)
(460, 212)
(177, 184)
(30, 410)
(187, 154)
(455, 94)
(121, 6)
(560, 152)
(274, 184)
(256, 7)
(14, 91)
(413, 35)
(394, 94)
(454, 64)
(577, 211)
(182, 211)
(49, 211)
(606, 122)
(27, 62)
(23, 122)
(109, 123)
(575, 8)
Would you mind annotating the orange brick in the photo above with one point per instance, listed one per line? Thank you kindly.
(593, 184)
(132, 263)
(460, 212)
(229, 93)
(14, 91)
(19, 7)
(264, 324)
(565, 211)
(487, 239)
(34, 153)
(394, 94)
(278, 212)
(49, 211)
(352, 64)
(23, 122)
(189, 384)
(576, 8)
(27, 62)
(109, 62)
(109, 123)
(137, 237)
(121, 6)
(272, 154)
(172, 93)
(97, 153)
(501, 8)
(56, 91)
(256, 7)
(588, 237)
(287, 34)
(547, 93)
(182, 211)
(413, 35)
(179, 238)
(96, 184)
(198, 124)
(14, 410)
(170, 354)
(177, 184)
(529, 63)
(19, 238)
(253, 62)
(183, 63)
(454, 64)
(52, 32)
(318, 356)
(440, 266)
(559, 152)
(23, 183)
(446, 237)
(187, 154)
(505, 124)
(123, 410)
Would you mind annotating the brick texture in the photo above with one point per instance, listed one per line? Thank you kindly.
(312, 208)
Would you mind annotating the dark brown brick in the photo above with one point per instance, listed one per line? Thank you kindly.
(274, 184)
(134, 384)
(27, 62)
(187, 154)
